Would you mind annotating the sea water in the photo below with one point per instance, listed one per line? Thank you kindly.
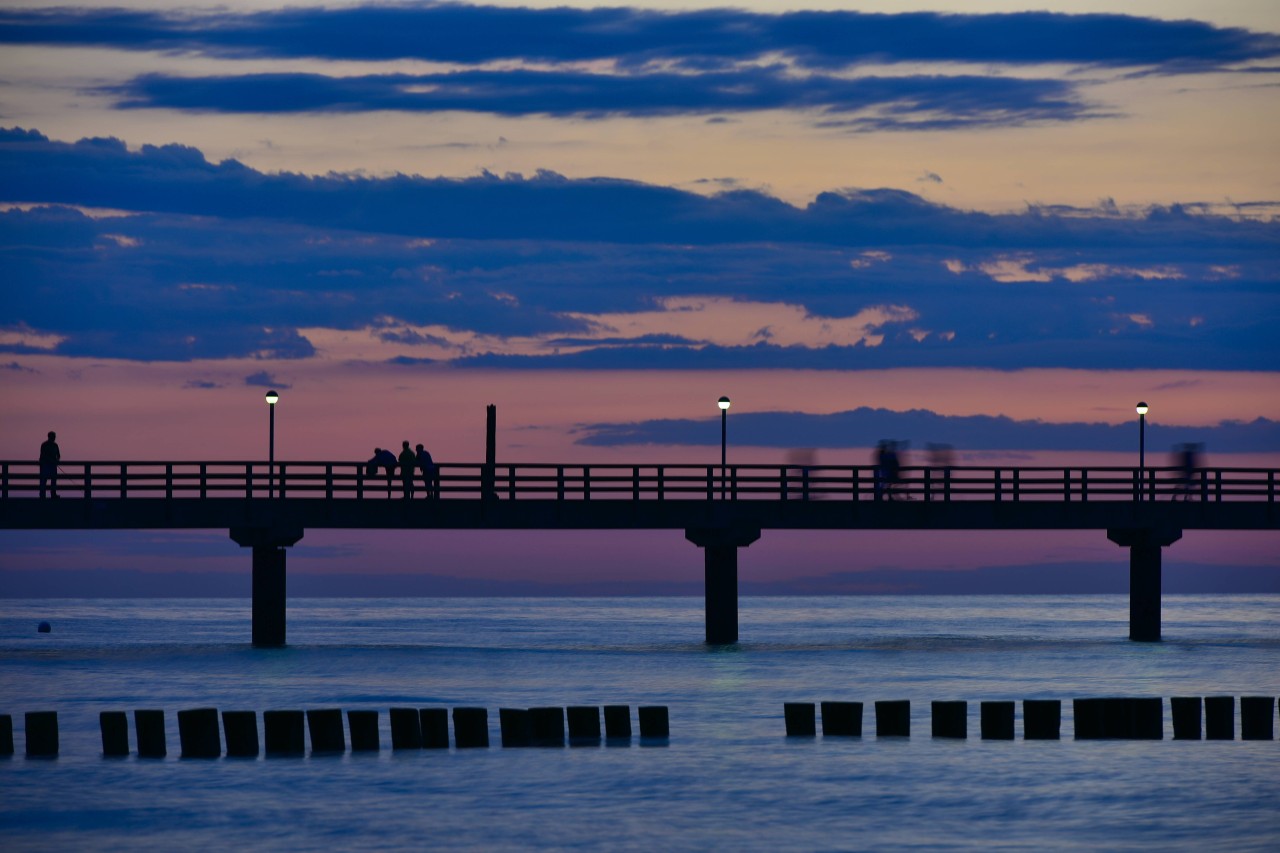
(727, 779)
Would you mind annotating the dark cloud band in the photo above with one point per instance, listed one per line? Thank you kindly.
(696, 40)
(905, 102)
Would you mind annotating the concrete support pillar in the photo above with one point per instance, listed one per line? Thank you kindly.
(268, 595)
(720, 552)
(1144, 546)
(268, 544)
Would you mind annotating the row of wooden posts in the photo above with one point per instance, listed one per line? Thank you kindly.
(285, 732)
(1095, 719)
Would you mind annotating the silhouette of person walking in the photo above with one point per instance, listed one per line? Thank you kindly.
(407, 461)
(50, 456)
(888, 469)
(427, 466)
(1187, 458)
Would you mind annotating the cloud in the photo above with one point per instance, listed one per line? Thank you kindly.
(1022, 268)
(206, 384)
(15, 366)
(263, 379)
(906, 102)
(863, 427)
(20, 337)
(222, 261)
(178, 179)
(698, 40)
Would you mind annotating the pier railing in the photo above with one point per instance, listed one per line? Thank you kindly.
(214, 480)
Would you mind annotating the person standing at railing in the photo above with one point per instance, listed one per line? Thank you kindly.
(427, 466)
(50, 456)
(407, 461)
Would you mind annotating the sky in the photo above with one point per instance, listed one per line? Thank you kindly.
(990, 224)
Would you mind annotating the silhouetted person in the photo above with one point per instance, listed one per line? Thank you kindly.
(893, 469)
(800, 464)
(427, 466)
(888, 469)
(50, 456)
(382, 459)
(1187, 459)
(882, 450)
(940, 455)
(407, 461)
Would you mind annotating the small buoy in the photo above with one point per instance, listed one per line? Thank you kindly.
(44, 627)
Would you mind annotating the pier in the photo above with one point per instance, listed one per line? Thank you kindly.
(720, 508)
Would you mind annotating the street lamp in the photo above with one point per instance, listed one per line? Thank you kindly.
(723, 403)
(272, 399)
(1141, 409)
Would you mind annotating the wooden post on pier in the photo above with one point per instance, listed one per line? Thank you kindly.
(720, 553)
(268, 544)
(1144, 544)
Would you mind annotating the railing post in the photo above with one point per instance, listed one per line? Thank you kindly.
(711, 486)
(560, 483)
(124, 480)
(4, 489)
(1217, 475)
(855, 484)
(328, 482)
(927, 483)
(782, 483)
(168, 481)
(248, 479)
(1151, 484)
(946, 485)
(88, 480)
(804, 489)
(733, 484)
(1084, 484)
(359, 482)
(1204, 485)
(996, 475)
(586, 483)
(1271, 487)
(281, 466)
(662, 485)
(1066, 485)
(511, 482)
(635, 483)
(1137, 486)
(204, 481)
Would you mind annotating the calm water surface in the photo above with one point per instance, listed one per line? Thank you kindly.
(728, 779)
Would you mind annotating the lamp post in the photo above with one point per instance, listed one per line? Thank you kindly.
(272, 399)
(1141, 409)
(723, 403)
